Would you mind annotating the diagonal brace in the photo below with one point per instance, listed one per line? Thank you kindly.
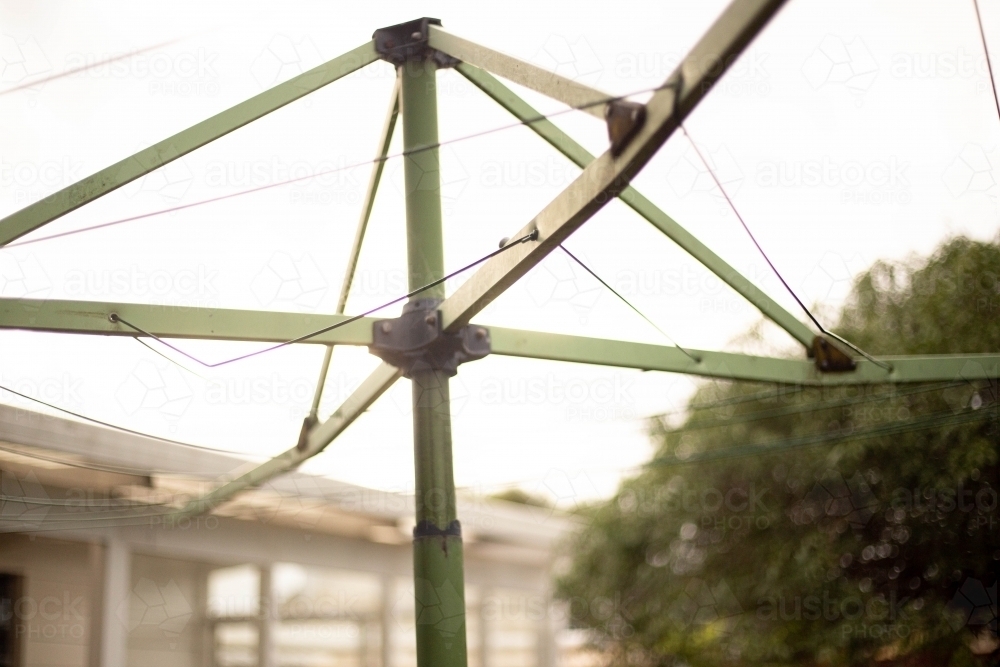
(125, 171)
(565, 144)
(607, 176)
(368, 203)
(570, 92)
(317, 440)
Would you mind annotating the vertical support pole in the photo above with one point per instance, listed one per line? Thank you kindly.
(95, 558)
(546, 640)
(204, 648)
(485, 627)
(437, 541)
(267, 653)
(386, 620)
(114, 612)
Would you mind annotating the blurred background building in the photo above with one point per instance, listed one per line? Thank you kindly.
(305, 571)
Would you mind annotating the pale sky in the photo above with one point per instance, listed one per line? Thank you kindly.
(850, 131)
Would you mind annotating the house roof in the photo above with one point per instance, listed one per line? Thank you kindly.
(100, 467)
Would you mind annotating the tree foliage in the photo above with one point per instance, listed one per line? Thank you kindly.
(788, 525)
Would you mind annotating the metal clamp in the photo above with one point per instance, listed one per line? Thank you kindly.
(414, 341)
(410, 41)
(624, 119)
(830, 358)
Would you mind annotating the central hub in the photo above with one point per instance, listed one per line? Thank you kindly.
(415, 342)
(409, 41)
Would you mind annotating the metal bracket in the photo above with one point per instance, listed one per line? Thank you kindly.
(830, 358)
(624, 119)
(427, 528)
(308, 424)
(402, 42)
(414, 341)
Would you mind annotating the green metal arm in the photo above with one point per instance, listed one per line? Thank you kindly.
(736, 366)
(607, 176)
(374, 386)
(87, 317)
(91, 317)
(121, 173)
(572, 93)
(359, 235)
(638, 203)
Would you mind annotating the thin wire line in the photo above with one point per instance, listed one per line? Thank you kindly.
(986, 50)
(942, 418)
(767, 259)
(173, 361)
(115, 426)
(83, 68)
(114, 317)
(628, 303)
(777, 392)
(801, 408)
(100, 467)
(111, 504)
(936, 419)
(405, 153)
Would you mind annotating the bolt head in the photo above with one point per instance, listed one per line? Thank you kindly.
(386, 327)
(431, 319)
(417, 35)
(480, 334)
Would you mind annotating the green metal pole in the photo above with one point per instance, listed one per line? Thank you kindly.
(437, 543)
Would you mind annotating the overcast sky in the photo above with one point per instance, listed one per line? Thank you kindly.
(849, 131)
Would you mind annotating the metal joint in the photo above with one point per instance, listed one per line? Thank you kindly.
(830, 358)
(624, 119)
(308, 424)
(415, 342)
(408, 41)
(427, 528)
